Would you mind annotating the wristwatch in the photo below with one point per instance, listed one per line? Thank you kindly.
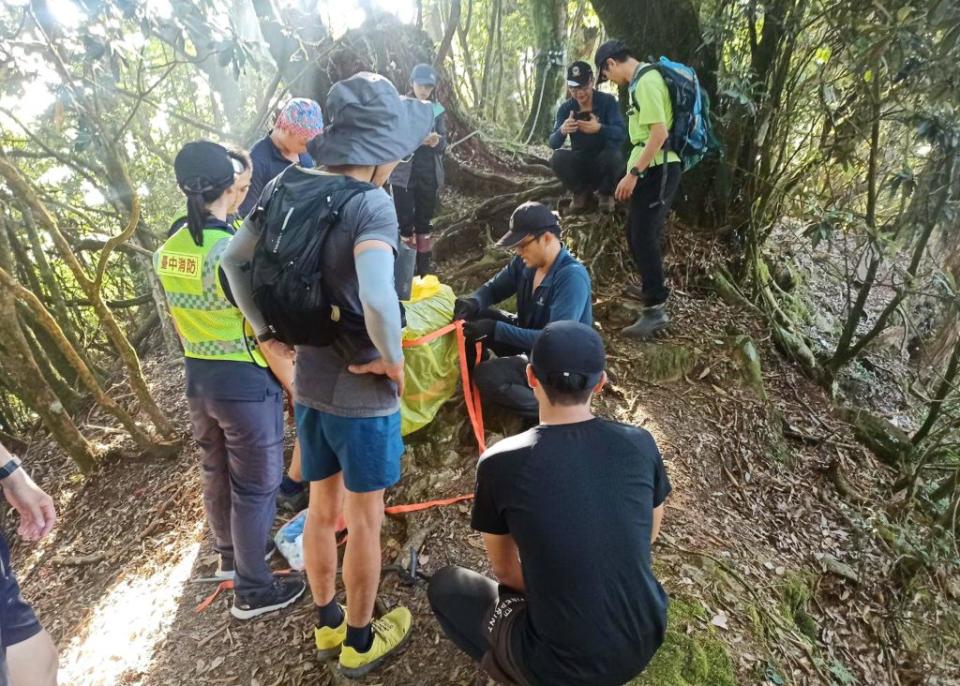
(635, 172)
(267, 335)
(12, 465)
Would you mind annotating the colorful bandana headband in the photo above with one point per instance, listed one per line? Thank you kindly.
(301, 117)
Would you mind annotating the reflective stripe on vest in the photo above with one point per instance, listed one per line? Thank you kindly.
(210, 327)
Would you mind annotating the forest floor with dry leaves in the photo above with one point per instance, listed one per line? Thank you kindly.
(775, 576)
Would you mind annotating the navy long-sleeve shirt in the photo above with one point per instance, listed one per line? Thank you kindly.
(612, 131)
(565, 293)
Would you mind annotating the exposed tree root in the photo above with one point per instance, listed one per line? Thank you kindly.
(466, 231)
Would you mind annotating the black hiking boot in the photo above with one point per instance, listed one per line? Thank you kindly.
(284, 591)
(652, 320)
(580, 202)
(293, 502)
(635, 291)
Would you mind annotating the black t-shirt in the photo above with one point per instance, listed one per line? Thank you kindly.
(578, 500)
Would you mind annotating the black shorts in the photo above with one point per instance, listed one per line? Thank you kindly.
(503, 661)
(17, 619)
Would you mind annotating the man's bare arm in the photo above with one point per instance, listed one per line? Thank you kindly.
(504, 559)
(657, 521)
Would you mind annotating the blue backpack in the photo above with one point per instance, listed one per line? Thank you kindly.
(691, 135)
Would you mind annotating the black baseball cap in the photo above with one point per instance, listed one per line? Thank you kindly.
(203, 166)
(612, 47)
(568, 355)
(579, 74)
(529, 219)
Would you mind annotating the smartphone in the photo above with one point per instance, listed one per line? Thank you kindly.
(583, 116)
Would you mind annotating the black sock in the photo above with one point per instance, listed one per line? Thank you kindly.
(290, 487)
(330, 615)
(359, 639)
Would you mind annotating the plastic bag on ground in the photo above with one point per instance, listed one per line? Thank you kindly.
(289, 540)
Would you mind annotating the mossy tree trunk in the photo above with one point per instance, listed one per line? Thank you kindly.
(89, 381)
(31, 386)
(92, 286)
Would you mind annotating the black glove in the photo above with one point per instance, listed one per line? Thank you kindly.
(480, 329)
(465, 308)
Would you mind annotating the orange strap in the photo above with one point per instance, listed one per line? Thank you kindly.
(221, 587)
(430, 337)
(417, 507)
(470, 395)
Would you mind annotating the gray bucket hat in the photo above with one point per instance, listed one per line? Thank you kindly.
(370, 123)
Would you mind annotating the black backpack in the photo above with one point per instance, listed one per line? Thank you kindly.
(297, 212)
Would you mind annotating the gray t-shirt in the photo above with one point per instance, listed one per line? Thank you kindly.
(322, 380)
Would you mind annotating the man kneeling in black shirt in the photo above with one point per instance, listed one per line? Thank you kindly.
(568, 512)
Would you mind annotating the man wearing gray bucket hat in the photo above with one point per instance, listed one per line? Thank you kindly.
(347, 404)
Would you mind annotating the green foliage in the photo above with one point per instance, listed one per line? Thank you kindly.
(691, 654)
(796, 592)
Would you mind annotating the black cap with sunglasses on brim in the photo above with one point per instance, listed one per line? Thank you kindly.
(579, 74)
(606, 51)
(529, 219)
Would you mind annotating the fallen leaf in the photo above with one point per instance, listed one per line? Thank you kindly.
(720, 620)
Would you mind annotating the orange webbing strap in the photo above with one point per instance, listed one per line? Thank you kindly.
(430, 337)
(470, 395)
(221, 587)
(417, 507)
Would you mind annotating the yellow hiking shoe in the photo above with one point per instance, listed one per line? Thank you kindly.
(390, 632)
(330, 640)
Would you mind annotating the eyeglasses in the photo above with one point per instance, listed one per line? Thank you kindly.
(522, 245)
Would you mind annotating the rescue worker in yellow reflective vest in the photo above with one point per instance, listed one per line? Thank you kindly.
(236, 404)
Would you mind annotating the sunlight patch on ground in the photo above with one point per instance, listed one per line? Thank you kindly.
(127, 625)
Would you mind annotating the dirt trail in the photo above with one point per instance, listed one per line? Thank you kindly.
(755, 547)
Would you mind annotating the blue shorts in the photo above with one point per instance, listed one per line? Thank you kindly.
(366, 449)
(17, 620)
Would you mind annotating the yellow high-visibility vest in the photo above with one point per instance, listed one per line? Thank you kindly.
(210, 327)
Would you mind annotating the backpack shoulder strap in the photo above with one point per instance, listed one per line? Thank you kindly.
(269, 190)
(351, 188)
(643, 71)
